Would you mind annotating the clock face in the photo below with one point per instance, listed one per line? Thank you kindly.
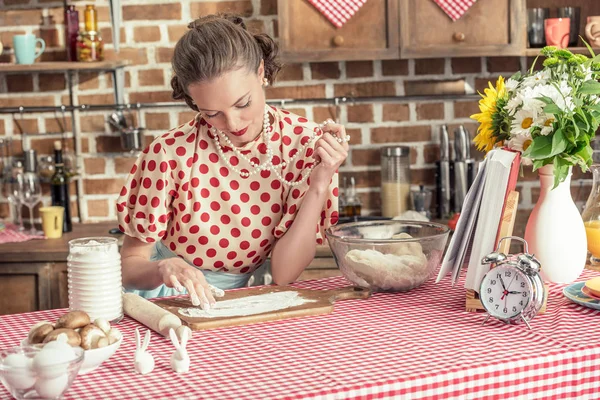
(505, 292)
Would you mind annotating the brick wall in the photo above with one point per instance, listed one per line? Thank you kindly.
(150, 30)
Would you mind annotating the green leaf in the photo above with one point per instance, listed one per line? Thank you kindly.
(559, 143)
(590, 87)
(561, 169)
(541, 147)
(588, 47)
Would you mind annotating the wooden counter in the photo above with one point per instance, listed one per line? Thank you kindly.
(33, 274)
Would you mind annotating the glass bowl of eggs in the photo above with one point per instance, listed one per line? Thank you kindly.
(388, 255)
(33, 372)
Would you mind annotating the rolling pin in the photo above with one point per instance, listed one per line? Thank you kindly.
(149, 314)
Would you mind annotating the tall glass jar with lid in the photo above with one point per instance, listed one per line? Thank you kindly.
(395, 180)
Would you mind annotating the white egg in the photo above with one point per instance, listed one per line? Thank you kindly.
(21, 377)
(51, 388)
(60, 346)
(50, 363)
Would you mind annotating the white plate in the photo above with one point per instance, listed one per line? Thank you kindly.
(573, 292)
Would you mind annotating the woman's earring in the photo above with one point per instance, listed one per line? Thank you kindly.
(265, 82)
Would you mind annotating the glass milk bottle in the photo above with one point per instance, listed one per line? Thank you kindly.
(395, 180)
(591, 217)
(94, 277)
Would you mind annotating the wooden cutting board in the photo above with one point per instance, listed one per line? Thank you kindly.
(323, 304)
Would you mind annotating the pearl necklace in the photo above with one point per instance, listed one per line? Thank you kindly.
(267, 165)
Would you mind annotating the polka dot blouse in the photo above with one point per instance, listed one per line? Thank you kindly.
(182, 192)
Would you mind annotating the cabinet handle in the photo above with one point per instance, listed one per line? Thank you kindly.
(338, 40)
(459, 36)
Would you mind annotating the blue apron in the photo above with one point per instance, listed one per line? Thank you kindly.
(222, 280)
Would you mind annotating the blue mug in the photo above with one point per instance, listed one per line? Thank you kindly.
(25, 47)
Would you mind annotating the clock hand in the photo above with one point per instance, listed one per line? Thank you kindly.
(501, 281)
(514, 292)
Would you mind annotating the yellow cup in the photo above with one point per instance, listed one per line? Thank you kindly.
(52, 221)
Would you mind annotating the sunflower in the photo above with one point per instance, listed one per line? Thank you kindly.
(493, 118)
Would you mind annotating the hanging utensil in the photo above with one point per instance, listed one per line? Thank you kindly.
(443, 175)
(459, 168)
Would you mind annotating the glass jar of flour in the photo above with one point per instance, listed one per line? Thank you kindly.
(395, 180)
(94, 277)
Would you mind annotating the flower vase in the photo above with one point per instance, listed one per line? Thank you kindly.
(555, 232)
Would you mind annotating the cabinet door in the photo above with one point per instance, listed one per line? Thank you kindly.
(24, 288)
(59, 286)
(306, 35)
(488, 28)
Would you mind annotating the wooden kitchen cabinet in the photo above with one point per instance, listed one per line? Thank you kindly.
(24, 287)
(488, 28)
(306, 35)
(33, 274)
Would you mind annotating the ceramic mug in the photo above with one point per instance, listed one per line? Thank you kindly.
(52, 221)
(25, 47)
(557, 32)
(592, 30)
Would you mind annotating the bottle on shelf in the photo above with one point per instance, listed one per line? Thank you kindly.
(90, 46)
(352, 206)
(71, 32)
(60, 187)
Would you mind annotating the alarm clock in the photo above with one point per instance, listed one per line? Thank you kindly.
(512, 290)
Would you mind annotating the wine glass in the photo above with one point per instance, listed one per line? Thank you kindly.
(10, 190)
(30, 193)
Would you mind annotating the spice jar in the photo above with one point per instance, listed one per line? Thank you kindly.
(71, 31)
(395, 180)
(90, 47)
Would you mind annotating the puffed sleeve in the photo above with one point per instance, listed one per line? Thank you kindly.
(295, 195)
(144, 204)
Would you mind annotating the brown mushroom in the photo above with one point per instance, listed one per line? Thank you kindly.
(90, 335)
(73, 337)
(38, 332)
(73, 320)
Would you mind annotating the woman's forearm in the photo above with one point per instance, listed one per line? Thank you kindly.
(296, 249)
(140, 273)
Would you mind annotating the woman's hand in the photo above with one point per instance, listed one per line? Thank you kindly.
(330, 151)
(178, 274)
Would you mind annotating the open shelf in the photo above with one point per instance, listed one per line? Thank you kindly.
(52, 66)
(574, 50)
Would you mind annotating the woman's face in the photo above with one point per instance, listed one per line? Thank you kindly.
(234, 103)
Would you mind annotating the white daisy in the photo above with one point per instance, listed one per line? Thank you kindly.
(520, 142)
(539, 78)
(511, 84)
(522, 123)
(545, 121)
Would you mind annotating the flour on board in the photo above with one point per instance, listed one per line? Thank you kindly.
(250, 305)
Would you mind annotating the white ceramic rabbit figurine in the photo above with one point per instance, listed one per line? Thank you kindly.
(143, 362)
(180, 360)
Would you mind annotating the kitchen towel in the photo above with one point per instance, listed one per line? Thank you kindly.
(455, 8)
(10, 234)
(338, 12)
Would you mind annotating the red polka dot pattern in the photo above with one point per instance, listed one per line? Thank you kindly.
(181, 192)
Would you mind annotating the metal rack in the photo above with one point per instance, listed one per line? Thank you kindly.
(282, 103)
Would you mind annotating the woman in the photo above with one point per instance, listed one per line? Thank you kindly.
(207, 202)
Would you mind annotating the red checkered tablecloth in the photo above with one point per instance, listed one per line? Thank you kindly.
(419, 344)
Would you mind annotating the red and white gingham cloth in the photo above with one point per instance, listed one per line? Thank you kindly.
(419, 344)
(10, 234)
(455, 8)
(338, 12)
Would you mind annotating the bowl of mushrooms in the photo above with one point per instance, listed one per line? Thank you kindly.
(98, 339)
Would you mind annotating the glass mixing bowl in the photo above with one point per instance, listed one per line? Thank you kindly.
(394, 256)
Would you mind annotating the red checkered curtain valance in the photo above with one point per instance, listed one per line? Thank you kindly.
(338, 12)
(455, 8)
